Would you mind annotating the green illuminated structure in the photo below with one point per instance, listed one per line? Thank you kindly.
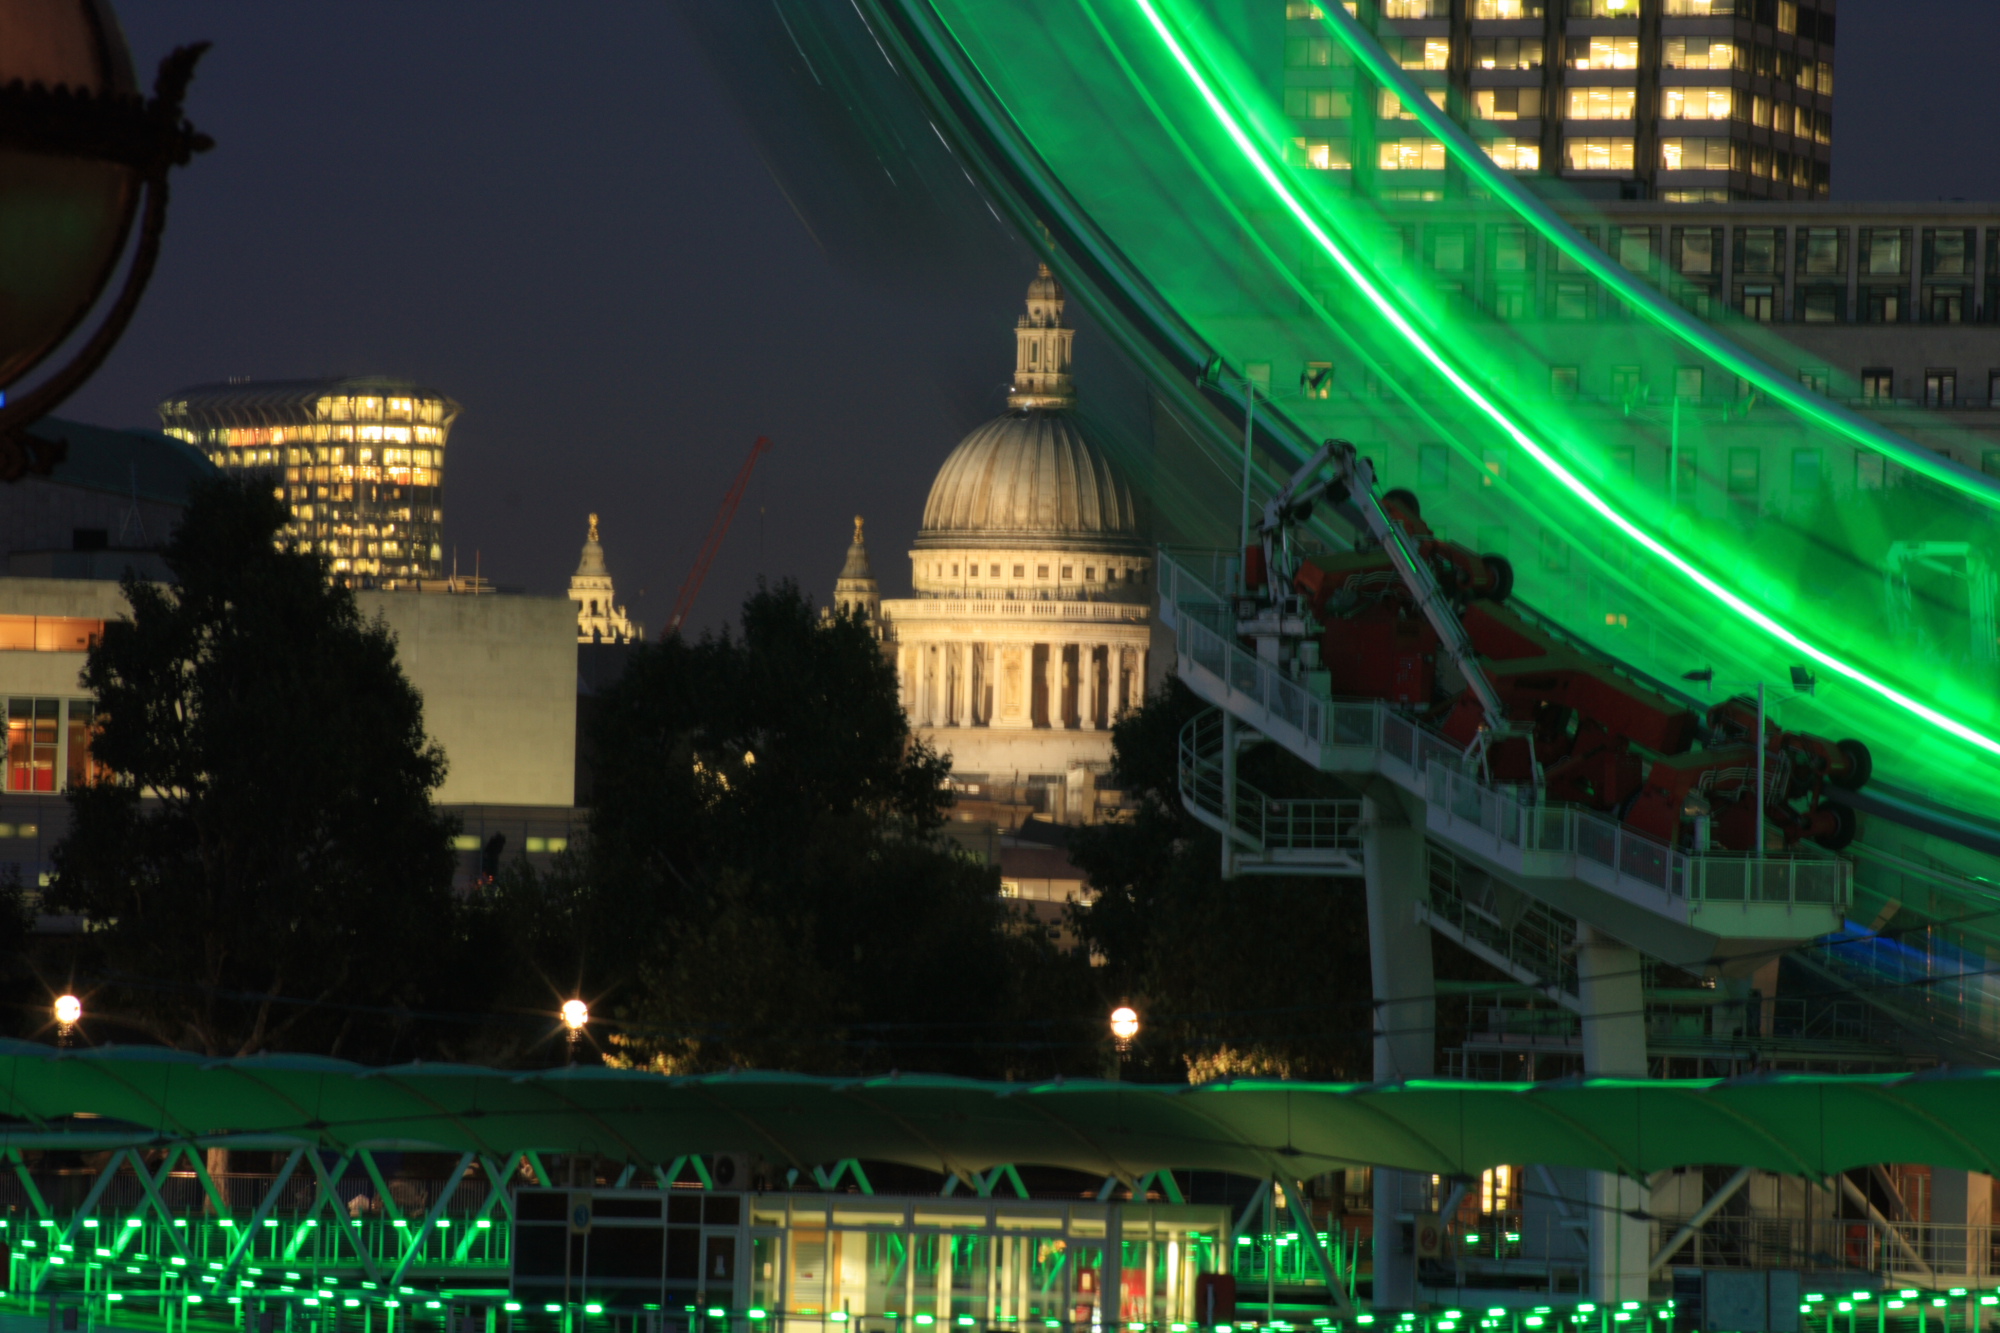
(1146, 136)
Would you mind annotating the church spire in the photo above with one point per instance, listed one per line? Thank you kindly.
(599, 618)
(1042, 349)
(855, 592)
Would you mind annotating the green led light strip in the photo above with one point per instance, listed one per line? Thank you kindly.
(1657, 308)
(1262, 167)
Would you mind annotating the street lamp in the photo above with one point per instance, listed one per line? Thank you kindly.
(1124, 1026)
(79, 149)
(68, 1011)
(575, 1016)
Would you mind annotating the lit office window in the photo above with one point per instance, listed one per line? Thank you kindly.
(1323, 154)
(1606, 154)
(1312, 53)
(1416, 9)
(1421, 52)
(1820, 252)
(1507, 9)
(1410, 155)
(1604, 9)
(1604, 53)
(1700, 53)
(1511, 154)
(32, 743)
(1940, 388)
(1391, 106)
(1507, 53)
(1685, 154)
(1700, 9)
(1602, 104)
(1506, 103)
(1878, 384)
(1695, 104)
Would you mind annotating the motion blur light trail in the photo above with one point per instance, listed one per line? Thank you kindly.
(1706, 512)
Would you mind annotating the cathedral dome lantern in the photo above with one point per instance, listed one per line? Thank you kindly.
(599, 619)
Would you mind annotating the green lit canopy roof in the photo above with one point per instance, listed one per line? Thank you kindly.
(1803, 1125)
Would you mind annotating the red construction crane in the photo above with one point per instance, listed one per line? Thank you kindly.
(711, 544)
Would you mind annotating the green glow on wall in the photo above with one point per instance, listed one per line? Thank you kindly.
(1664, 537)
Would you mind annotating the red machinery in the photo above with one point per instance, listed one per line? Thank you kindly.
(1421, 622)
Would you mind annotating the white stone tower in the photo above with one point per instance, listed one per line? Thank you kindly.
(598, 617)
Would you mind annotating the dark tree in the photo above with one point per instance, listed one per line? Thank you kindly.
(765, 882)
(1262, 974)
(264, 864)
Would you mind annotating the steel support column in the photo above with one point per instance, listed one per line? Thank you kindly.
(1399, 955)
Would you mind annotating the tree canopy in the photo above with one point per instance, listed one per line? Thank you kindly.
(765, 882)
(263, 861)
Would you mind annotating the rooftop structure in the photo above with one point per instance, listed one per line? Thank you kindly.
(599, 618)
(358, 462)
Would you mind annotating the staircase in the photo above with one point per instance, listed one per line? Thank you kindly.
(1265, 836)
(1681, 908)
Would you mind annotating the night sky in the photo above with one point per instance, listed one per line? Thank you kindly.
(551, 213)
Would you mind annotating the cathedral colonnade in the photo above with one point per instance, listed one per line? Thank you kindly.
(1010, 681)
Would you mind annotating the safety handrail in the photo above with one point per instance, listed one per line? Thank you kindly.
(1261, 822)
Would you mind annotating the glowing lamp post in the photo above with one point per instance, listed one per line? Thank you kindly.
(83, 157)
(1124, 1029)
(68, 1010)
(575, 1016)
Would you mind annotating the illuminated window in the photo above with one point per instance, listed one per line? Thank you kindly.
(1690, 154)
(1788, 16)
(1633, 247)
(1322, 154)
(1760, 304)
(1604, 9)
(1564, 382)
(32, 738)
(1878, 383)
(1421, 52)
(1940, 388)
(1823, 79)
(1506, 103)
(1885, 251)
(1317, 381)
(1318, 103)
(1507, 53)
(1410, 155)
(1506, 9)
(1511, 154)
(1595, 154)
(1695, 104)
(1391, 106)
(1603, 53)
(1699, 53)
(1820, 252)
(1745, 470)
(1602, 104)
(48, 634)
(1948, 252)
(1416, 9)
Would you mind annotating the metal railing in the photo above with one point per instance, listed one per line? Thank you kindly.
(1259, 821)
(1426, 762)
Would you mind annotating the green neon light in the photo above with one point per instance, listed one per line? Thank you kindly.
(1568, 479)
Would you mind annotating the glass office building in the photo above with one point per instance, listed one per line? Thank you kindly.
(1687, 101)
(359, 464)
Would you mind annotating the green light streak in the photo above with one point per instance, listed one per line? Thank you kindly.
(1662, 312)
(1255, 158)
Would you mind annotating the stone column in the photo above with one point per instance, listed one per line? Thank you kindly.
(1612, 998)
(1086, 686)
(1052, 673)
(1139, 677)
(1399, 955)
(958, 687)
(906, 693)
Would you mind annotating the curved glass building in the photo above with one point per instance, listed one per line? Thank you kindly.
(359, 463)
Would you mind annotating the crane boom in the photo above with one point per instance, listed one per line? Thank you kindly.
(711, 544)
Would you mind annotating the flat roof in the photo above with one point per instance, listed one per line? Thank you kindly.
(1794, 1124)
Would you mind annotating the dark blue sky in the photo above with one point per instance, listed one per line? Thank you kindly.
(549, 212)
